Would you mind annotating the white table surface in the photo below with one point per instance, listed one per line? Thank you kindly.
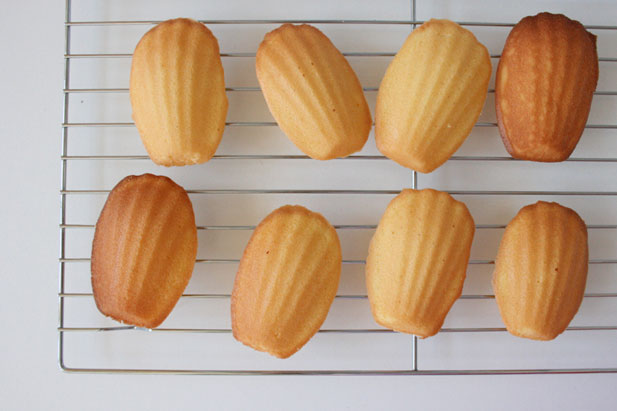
(32, 45)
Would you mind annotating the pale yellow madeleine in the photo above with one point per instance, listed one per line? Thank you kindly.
(545, 81)
(417, 261)
(177, 92)
(312, 92)
(431, 95)
(286, 281)
(144, 250)
(541, 270)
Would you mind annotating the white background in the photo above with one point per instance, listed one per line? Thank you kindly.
(32, 46)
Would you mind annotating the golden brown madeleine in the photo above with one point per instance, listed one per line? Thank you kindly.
(431, 95)
(178, 93)
(144, 250)
(286, 282)
(312, 92)
(545, 82)
(541, 270)
(417, 261)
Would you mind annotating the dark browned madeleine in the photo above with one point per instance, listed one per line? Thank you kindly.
(144, 250)
(541, 270)
(545, 81)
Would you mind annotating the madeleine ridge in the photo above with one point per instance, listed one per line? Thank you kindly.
(541, 270)
(144, 250)
(545, 82)
(177, 91)
(417, 261)
(312, 92)
(286, 281)
(431, 95)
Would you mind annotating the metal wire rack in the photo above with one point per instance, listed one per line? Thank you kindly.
(96, 160)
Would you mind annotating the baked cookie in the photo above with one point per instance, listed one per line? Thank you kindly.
(545, 81)
(143, 251)
(312, 92)
(541, 270)
(286, 281)
(431, 95)
(417, 261)
(177, 93)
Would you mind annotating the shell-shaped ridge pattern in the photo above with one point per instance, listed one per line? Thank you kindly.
(313, 92)
(177, 91)
(431, 95)
(286, 281)
(144, 250)
(417, 261)
(541, 270)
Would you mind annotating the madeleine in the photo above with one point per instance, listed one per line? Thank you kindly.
(431, 95)
(286, 281)
(541, 270)
(417, 261)
(143, 251)
(177, 93)
(545, 81)
(312, 92)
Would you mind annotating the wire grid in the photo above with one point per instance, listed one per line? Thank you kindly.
(414, 369)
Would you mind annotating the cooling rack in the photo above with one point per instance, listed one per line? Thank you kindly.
(256, 169)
